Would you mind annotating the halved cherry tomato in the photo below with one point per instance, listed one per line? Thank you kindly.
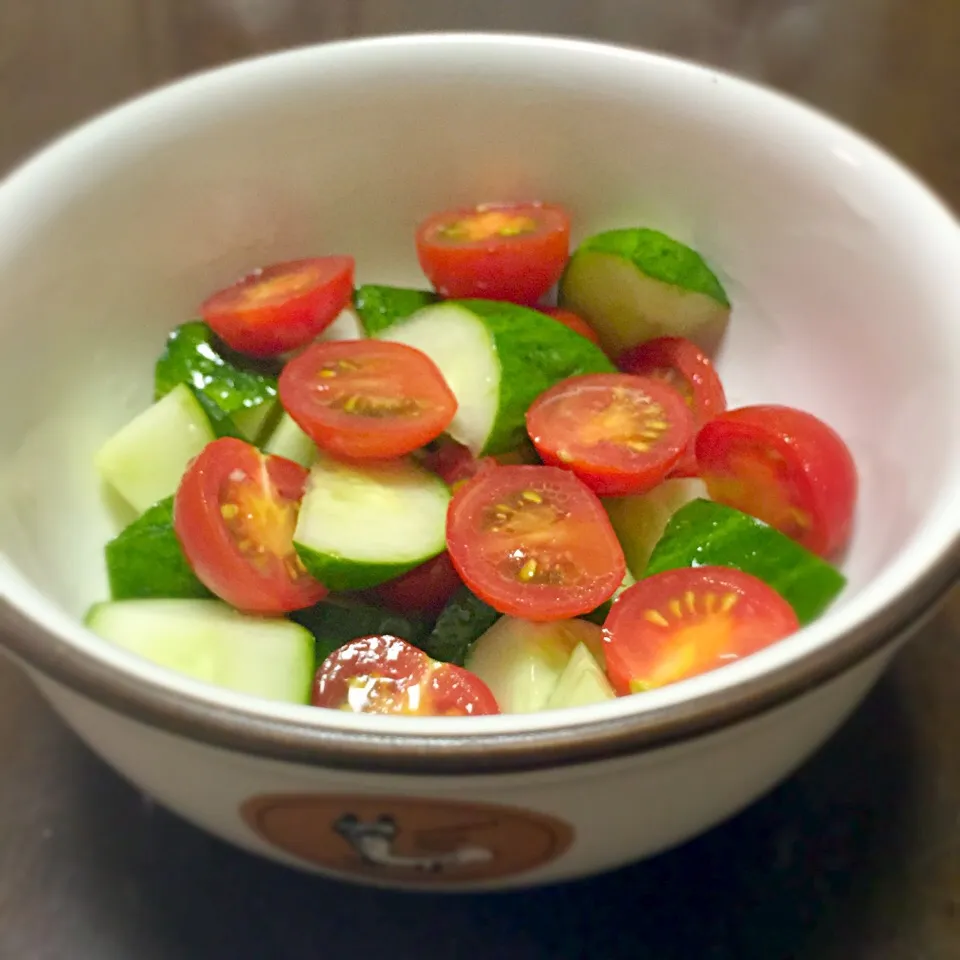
(453, 462)
(618, 433)
(388, 675)
(785, 467)
(367, 399)
(234, 514)
(281, 307)
(576, 323)
(534, 542)
(424, 589)
(512, 252)
(680, 623)
(687, 369)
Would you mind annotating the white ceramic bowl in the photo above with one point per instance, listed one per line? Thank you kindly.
(842, 270)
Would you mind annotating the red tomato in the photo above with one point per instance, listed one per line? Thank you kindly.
(512, 252)
(576, 323)
(785, 467)
(234, 515)
(367, 399)
(534, 542)
(680, 623)
(453, 463)
(281, 307)
(686, 368)
(424, 589)
(618, 433)
(389, 675)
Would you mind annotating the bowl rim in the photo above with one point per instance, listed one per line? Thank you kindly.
(179, 706)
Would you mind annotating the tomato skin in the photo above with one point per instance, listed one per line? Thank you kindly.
(265, 583)
(729, 614)
(786, 467)
(309, 296)
(519, 267)
(425, 589)
(574, 425)
(393, 676)
(685, 366)
(453, 462)
(534, 542)
(366, 399)
(576, 323)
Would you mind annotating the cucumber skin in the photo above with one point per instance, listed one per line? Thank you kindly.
(334, 623)
(539, 353)
(661, 258)
(145, 560)
(703, 533)
(194, 355)
(380, 307)
(340, 574)
(461, 623)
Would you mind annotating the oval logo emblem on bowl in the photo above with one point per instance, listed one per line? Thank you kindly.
(408, 840)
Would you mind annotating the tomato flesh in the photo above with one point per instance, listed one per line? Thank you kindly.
(785, 467)
(234, 514)
(534, 542)
(513, 252)
(618, 433)
(388, 675)
(281, 307)
(680, 623)
(425, 589)
(576, 323)
(367, 399)
(686, 368)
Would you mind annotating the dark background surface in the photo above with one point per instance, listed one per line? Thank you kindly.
(855, 858)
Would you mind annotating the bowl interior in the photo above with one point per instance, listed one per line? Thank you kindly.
(838, 265)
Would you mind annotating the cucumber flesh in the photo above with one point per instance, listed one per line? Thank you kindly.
(379, 307)
(361, 525)
(522, 662)
(639, 521)
(288, 440)
(636, 284)
(145, 460)
(338, 621)
(704, 533)
(145, 560)
(582, 682)
(461, 623)
(345, 327)
(497, 359)
(209, 641)
(255, 424)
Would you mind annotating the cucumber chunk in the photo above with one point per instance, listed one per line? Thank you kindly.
(335, 622)
(582, 682)
(636, 284)
(145, 460)
(461, 623)
(145, 560)
(380, 307)
(243, 389)
(639, 521)
(209, 641)
(522, 662)
(361, 525)
(705, 533)
(497, 359)
(289, 441)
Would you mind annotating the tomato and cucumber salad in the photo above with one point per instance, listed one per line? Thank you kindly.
(484, 498)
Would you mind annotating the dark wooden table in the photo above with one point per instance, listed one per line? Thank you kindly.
(856, 858)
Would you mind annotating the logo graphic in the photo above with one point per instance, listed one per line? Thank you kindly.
(408, 839)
